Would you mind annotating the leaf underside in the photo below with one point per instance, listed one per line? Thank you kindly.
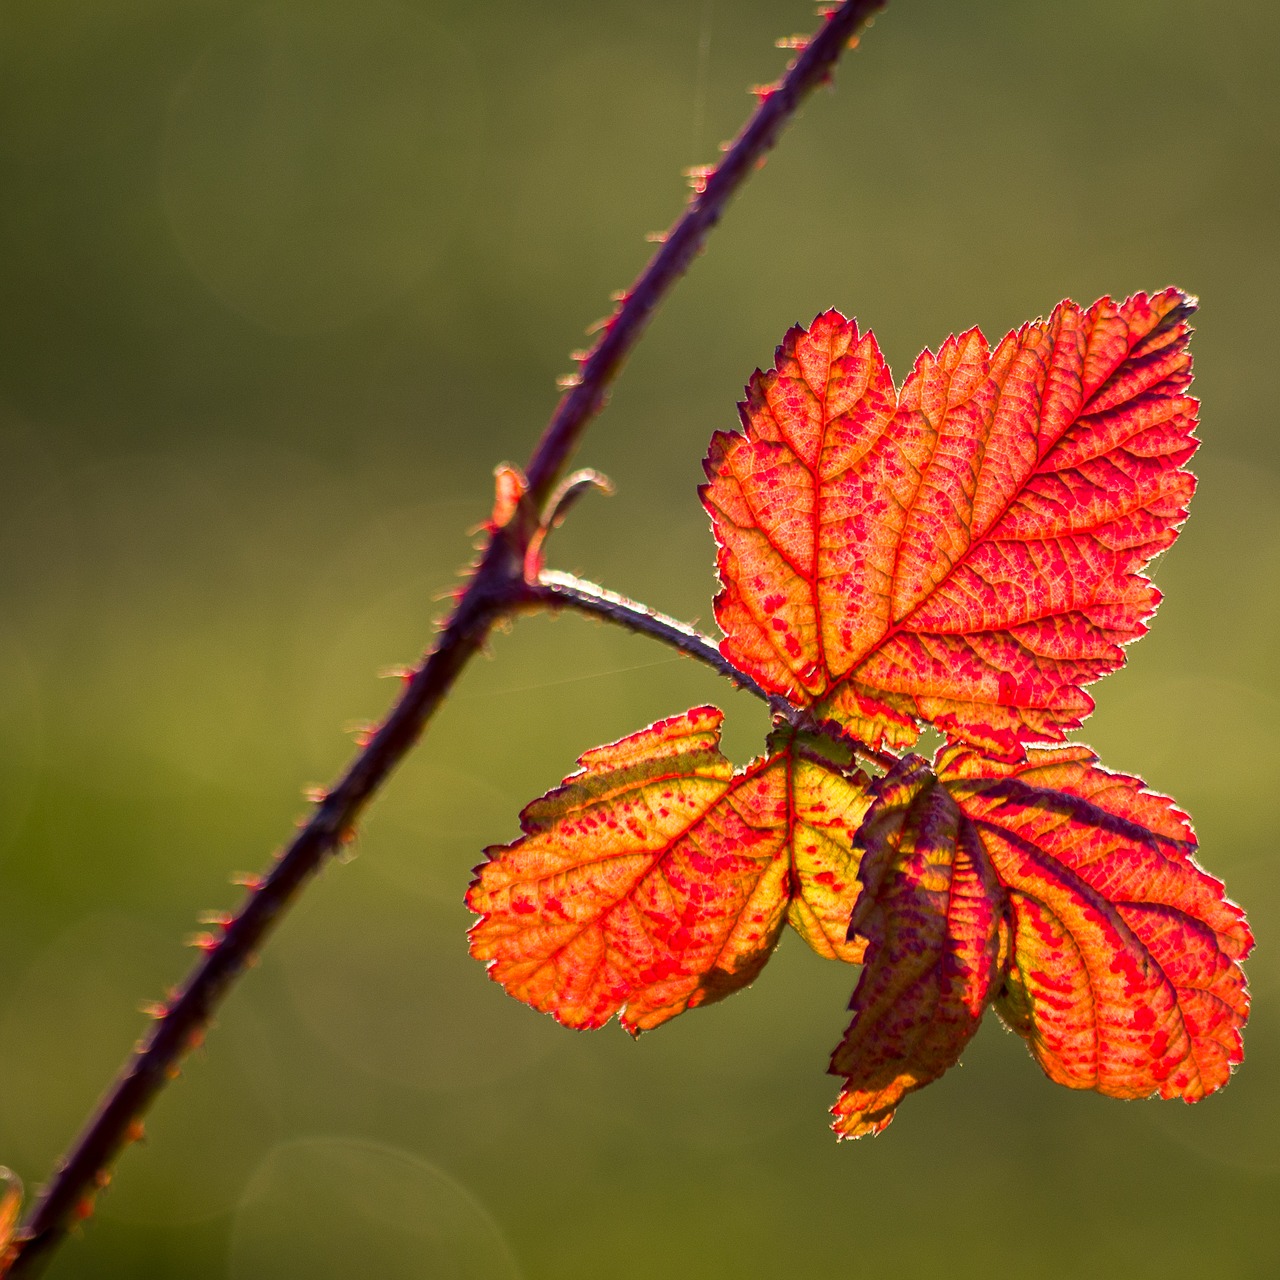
(932, 914)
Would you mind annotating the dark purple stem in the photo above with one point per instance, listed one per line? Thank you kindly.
(778, 104)
(563, 591)
(496, 587)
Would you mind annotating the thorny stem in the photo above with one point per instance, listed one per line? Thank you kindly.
(563, 591)
(778, 104)
(495, 587)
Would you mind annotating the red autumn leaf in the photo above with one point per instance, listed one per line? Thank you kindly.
(931, 911)
(1067, 892)
(1124, 975)
(657, 878)
(969, 551)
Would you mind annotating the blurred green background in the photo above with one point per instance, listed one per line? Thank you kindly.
(280, 285)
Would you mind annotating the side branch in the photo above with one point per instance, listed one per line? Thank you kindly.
(495, 588)
(563, 591)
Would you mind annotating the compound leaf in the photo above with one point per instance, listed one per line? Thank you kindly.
(657, 878)
(969, 551)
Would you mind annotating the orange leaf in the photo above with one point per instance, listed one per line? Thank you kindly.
(932, 912)
(1124, 975)
(969, 552)
(10, 1206)
(657, 878)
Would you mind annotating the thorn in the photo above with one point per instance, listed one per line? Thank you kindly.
(398, 671)
(195, 1040)
(579, 357)
(825, 11)
(247, 880)
(136, 1131)
(202, 941)
(102, 1179)
(84, 1208)
(854, 41)
(698, 175)
(567, 381)
(797, 43)
(534, 558)
(315, 794)
(656, 237)
(222, 919)
(597, 325)
(510, 486)
(567, 493)
(764, 91)
(345, 848)
(620, 295)
(154, 1009)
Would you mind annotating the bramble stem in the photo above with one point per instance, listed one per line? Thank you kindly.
(496, 587)
(681, 244)
(563, 591)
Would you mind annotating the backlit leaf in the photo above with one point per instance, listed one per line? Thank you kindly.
(657, 878)
(968, 551)
(10, 1206)
(1066, 892)
(931, 911)
(1124, 973)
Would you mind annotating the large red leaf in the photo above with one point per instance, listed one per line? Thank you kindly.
(657, 878)
(969, 552)
(931, 910)
(1124, 975)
